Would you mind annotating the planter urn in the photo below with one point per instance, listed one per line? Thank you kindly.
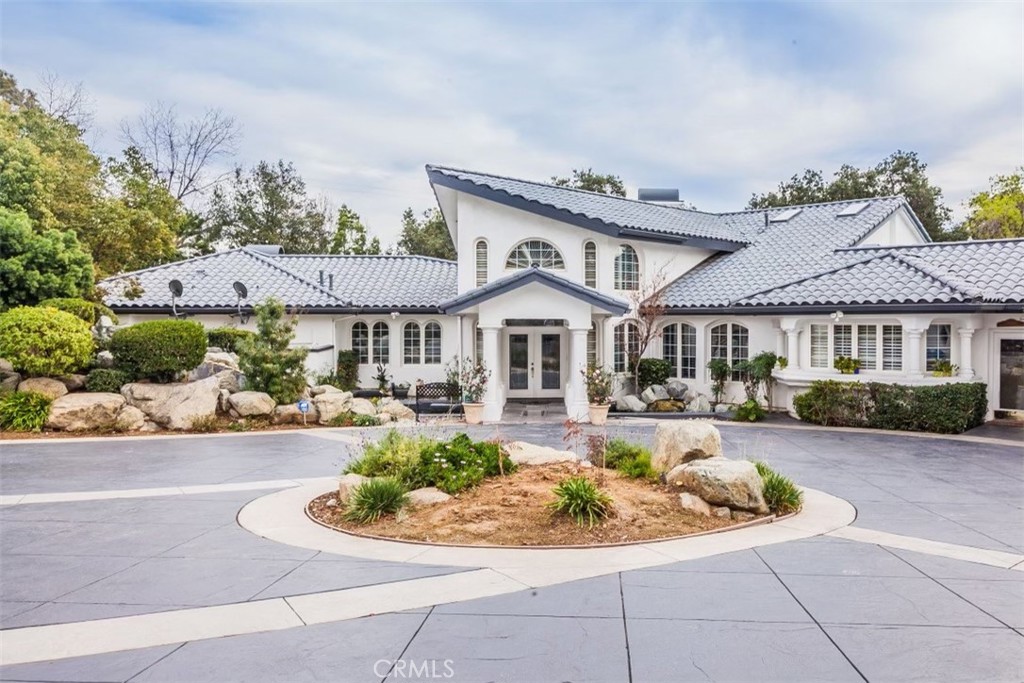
(598, 413)
(473, 412)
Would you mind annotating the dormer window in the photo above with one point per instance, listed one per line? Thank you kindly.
(535, 253)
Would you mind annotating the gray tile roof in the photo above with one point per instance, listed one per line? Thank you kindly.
(398, 282)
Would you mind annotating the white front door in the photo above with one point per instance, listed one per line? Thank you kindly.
(536, 364)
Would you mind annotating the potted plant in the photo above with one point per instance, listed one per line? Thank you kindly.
(473, 376)
(783, 362)
(400, 390)
(599, 393)
(846, 365)
(383, 378)
(720, 372)
(944, 368)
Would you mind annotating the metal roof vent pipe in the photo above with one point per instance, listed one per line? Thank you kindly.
(321, 278)
(660, 195)
(330, 281)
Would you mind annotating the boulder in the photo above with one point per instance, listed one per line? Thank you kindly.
(721, 408)
(51, 388)
(428, 496)
(669, 406)
(523, 453)
(362, 406)
(213, 363)
(630, 403)
(6, 365)
(720, 481)
(251, 403)
(347, 483)
(289, 413)
(175, 406)
(104, 359)
(130, 419)
(84, 412)
(223, 402)
(692, 503)
(324, 389)
(150, 426)
(230, 380)
(330, 404)
(9, 381)
(653, 393)
(676, 441)
(397, 411)
(700, 404)
(73, 382)
(676, 388)
(740, 516)
(721, 511)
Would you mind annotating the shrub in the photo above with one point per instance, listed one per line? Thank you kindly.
(652, 371)
(579, 498)
(24, 411)
(38, 263)
(833, 403)
(205, 424)
(396, 455)
(462, 463)
(227, 338)
(159, 350)
(719, 370)
(375, 498)
(780, 493)
(619, 450)
(348, 370)
(80, 308)
(638, 467)
(749, 411)
(269, 364)
(354, 420)
(106, 379)
(44, 341)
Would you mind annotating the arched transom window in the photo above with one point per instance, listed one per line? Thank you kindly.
(627, 269)
(535, 253)
(481, 263)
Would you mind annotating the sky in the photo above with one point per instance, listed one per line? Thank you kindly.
(720, 100)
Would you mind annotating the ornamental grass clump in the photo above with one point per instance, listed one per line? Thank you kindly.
(780, 493)
(375, 498)
(24, 411)
(579, 498)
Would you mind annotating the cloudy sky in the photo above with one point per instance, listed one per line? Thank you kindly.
(720, 100)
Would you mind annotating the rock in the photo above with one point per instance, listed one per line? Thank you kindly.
(693, 504)
(348, 483)
(130, 419)
(653, 393)
(700, 404)
(6, 365)
(175, 406)
(9, 381)
(324, 389)
(523, 453)
(332, 503)
(428, 496)
(669, 406)
(289, 414)
(223, 403)
(73, 382)
(84, 412)
(689, 395)
(230, 380)
(721, 481)
(213, 363)
(676, 388)
(46, 386)
(362, 406)
(251, 403)
(674, 442)
(740, 516)
(383, 418)
(396, 411)
(330, 404)
(721, 408)
(630, 404)
(150, 426)
(721, 511)
(104, 359)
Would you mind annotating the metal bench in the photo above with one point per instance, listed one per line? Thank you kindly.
(433, 394)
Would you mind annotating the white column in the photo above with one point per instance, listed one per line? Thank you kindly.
(966, 369)
(793, 348)
(913, 364)
(492, 398)
(576, 389)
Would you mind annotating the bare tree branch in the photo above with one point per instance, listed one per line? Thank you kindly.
(66, 101)
(647, 307)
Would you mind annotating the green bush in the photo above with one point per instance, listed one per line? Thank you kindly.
(267, 360)
(652, 371)
(159, 349)
(375, 498)
(227, 338)
(579, 498)
(396, 455)
(462, 463)
(24, 411)
(354, 420)
(833, 403)
(80, 308)
(749, 411)
(347, 373)
(638, 467)
(44, 341)
(618, 450)
(37, 263)
(719, 371)
(780, 493)
(106, 379)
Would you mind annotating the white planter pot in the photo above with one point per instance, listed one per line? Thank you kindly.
(598, 413)
(473, 412)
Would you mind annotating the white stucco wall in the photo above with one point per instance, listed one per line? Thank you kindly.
(399, 370)
(898, 229)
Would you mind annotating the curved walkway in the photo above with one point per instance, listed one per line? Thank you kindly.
(885, 601)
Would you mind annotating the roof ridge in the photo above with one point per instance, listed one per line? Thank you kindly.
(367, 256)
(938, 276)
(266, 260)
(952, 243)
(159, 266)
(812, 205)
(801, 280)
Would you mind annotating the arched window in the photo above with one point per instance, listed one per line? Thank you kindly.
(627, 269)
(730, 341)
(381, 343)
(679, 348)
(626, 345)
(481, 263)
(592, 345)
(361, 342)
(411, 344)
(535, 252)
(590, 264)
(432, 344)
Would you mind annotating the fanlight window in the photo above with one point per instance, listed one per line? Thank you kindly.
(535, 252)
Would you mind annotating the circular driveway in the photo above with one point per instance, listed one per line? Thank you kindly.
(122, 559)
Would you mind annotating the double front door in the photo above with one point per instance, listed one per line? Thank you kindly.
(536, 361)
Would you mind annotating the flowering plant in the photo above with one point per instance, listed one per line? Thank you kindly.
(599, 385)
(473, 378)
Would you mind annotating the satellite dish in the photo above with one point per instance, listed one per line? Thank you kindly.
(175, 287)
(242, 293)
(240, 290)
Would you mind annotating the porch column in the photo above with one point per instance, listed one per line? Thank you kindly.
(492, 396)
(966, 334)
(912, 352)
(576, 391)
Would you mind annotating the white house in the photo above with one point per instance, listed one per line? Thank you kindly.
(545, 276)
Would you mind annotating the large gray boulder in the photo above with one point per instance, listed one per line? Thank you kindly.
(679, 441)
(347, 483)
(630, 403)
(331, 404)
(676, 388)
(251, 403)
(175, 406)
(289, 413)
(84, 412)
(104, 359)
(523, 453)
(395, 410)
(51, 388)
(9, 381)
(324, 389)
(720, 481)
(428, 496)
(73, 382)
(214, 362)
(700, 404)
(653, 393)
(130, 419)
(362, 406)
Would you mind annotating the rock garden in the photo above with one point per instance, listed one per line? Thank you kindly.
(489, 493)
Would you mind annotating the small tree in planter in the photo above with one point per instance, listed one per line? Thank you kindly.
(720, 371)
(382, 378)
(599, 392)
(473, 376)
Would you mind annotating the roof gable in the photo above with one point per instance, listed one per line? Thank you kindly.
(527, 276)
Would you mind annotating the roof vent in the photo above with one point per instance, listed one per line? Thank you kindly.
(657, 194)
(267, 249)
(853, 209)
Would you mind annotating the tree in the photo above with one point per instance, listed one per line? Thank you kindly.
(36, 266)
(647, 306)
(901, 173)
(66, 101)
(183, 153)
(594, 182)
(350, 235)
(997, 212)
(269, 364)
(426, 236)
(268, 205)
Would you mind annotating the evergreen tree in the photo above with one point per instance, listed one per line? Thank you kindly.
(426, 236)
(269, 364)
(350, 235)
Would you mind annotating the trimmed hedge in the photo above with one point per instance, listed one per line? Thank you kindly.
(106, 379)
(227, 338)
(652, 371)
(80, 308)
(950, 408)
(159, 349)
(44, 341)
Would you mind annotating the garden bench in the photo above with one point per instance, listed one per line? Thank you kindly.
(437, 394)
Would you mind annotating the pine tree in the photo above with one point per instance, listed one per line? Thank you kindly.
(269, 364)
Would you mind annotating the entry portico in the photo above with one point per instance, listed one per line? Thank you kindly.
(535, 342)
